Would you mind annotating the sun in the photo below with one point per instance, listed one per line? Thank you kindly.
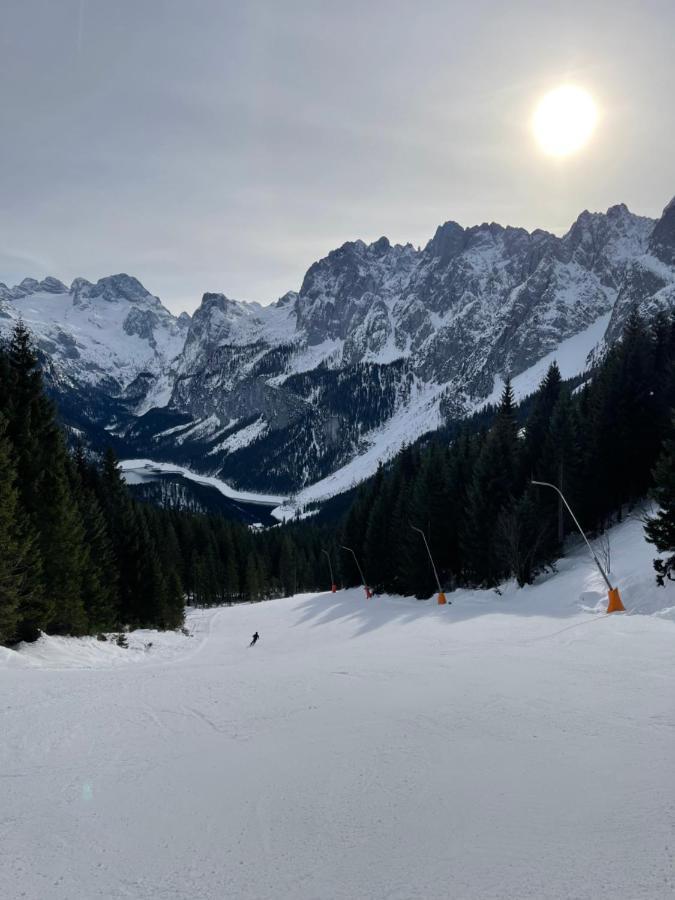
(564, 120)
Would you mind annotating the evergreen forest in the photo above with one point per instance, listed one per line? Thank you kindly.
(79, 555)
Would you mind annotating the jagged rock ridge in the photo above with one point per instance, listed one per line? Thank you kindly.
(380, 343)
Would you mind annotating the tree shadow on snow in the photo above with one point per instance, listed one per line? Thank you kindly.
(566, 601)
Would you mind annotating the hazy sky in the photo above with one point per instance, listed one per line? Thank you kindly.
(214, 145)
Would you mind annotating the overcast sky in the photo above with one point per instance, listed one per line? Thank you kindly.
(224, 146)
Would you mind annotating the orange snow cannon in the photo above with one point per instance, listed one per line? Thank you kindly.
(441, 598)
(333, 588)
(615, 604)
(369, 593)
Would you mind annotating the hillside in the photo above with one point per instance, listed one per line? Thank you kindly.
(516, 746)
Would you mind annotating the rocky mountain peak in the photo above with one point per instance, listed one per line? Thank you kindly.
(51, 285)
(447, 242)
(662, 240)
(119, 287)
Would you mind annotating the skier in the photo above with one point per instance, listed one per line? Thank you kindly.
(256, 638)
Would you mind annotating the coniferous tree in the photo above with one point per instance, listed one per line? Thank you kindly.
(12, 552)
(494, 485)
(379, 538)
(62, 548)
(538, 421)
(253, 586)
(288, 573)
(521, 534)
(660, 528)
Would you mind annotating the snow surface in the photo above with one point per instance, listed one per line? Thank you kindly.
(241, 438)
(101, 346)
(570, 355)
(142, 466)
(501, 748)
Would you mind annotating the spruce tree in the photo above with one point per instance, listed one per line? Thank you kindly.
(12, 552)
(253, 586)
(539, 418)
(62, 546)
(660, 528)
(288, 575)
(493, 487)
(99, 571)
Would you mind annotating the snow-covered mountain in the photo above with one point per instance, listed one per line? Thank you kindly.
(112, 334)
(381, 344)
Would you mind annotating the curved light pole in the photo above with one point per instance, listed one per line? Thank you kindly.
(363, 580)
(441, 595)
(333, 586)
(615, 604)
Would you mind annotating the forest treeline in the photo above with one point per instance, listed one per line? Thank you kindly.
(79, 555)
(473, 497)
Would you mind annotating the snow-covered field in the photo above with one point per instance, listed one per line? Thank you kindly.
(514, 747)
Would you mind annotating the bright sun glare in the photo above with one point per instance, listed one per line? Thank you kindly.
(564, 120)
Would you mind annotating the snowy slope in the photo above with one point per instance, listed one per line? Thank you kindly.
(501, 748)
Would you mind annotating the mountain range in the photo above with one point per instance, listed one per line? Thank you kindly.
(382, 343)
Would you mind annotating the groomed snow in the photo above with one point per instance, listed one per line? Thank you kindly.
(502, 748)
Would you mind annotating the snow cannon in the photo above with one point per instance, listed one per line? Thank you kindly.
(368, 591)
(441, 598)
(615, 604)
(333, 588)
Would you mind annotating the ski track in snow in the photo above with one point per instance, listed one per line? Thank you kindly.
(505, 747)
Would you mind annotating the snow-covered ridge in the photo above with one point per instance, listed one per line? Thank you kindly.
(319, 386)
(113, 331)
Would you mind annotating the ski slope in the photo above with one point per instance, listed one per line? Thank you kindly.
(515, 746)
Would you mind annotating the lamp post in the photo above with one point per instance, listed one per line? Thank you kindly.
(441, 595)
(363, 580)
(333, 586)
(615, 604)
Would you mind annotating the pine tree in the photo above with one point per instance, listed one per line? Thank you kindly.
(660, 528)
(379, 537)
(538, 422)
(231, 582)
(61, 535)
(494, 485)
(520, 537)
(99, 571)
(12, 553)
(288, 574)
(253, 586)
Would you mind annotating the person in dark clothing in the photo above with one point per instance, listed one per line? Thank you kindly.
(256, 638)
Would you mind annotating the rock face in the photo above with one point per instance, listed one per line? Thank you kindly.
(380, 342)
